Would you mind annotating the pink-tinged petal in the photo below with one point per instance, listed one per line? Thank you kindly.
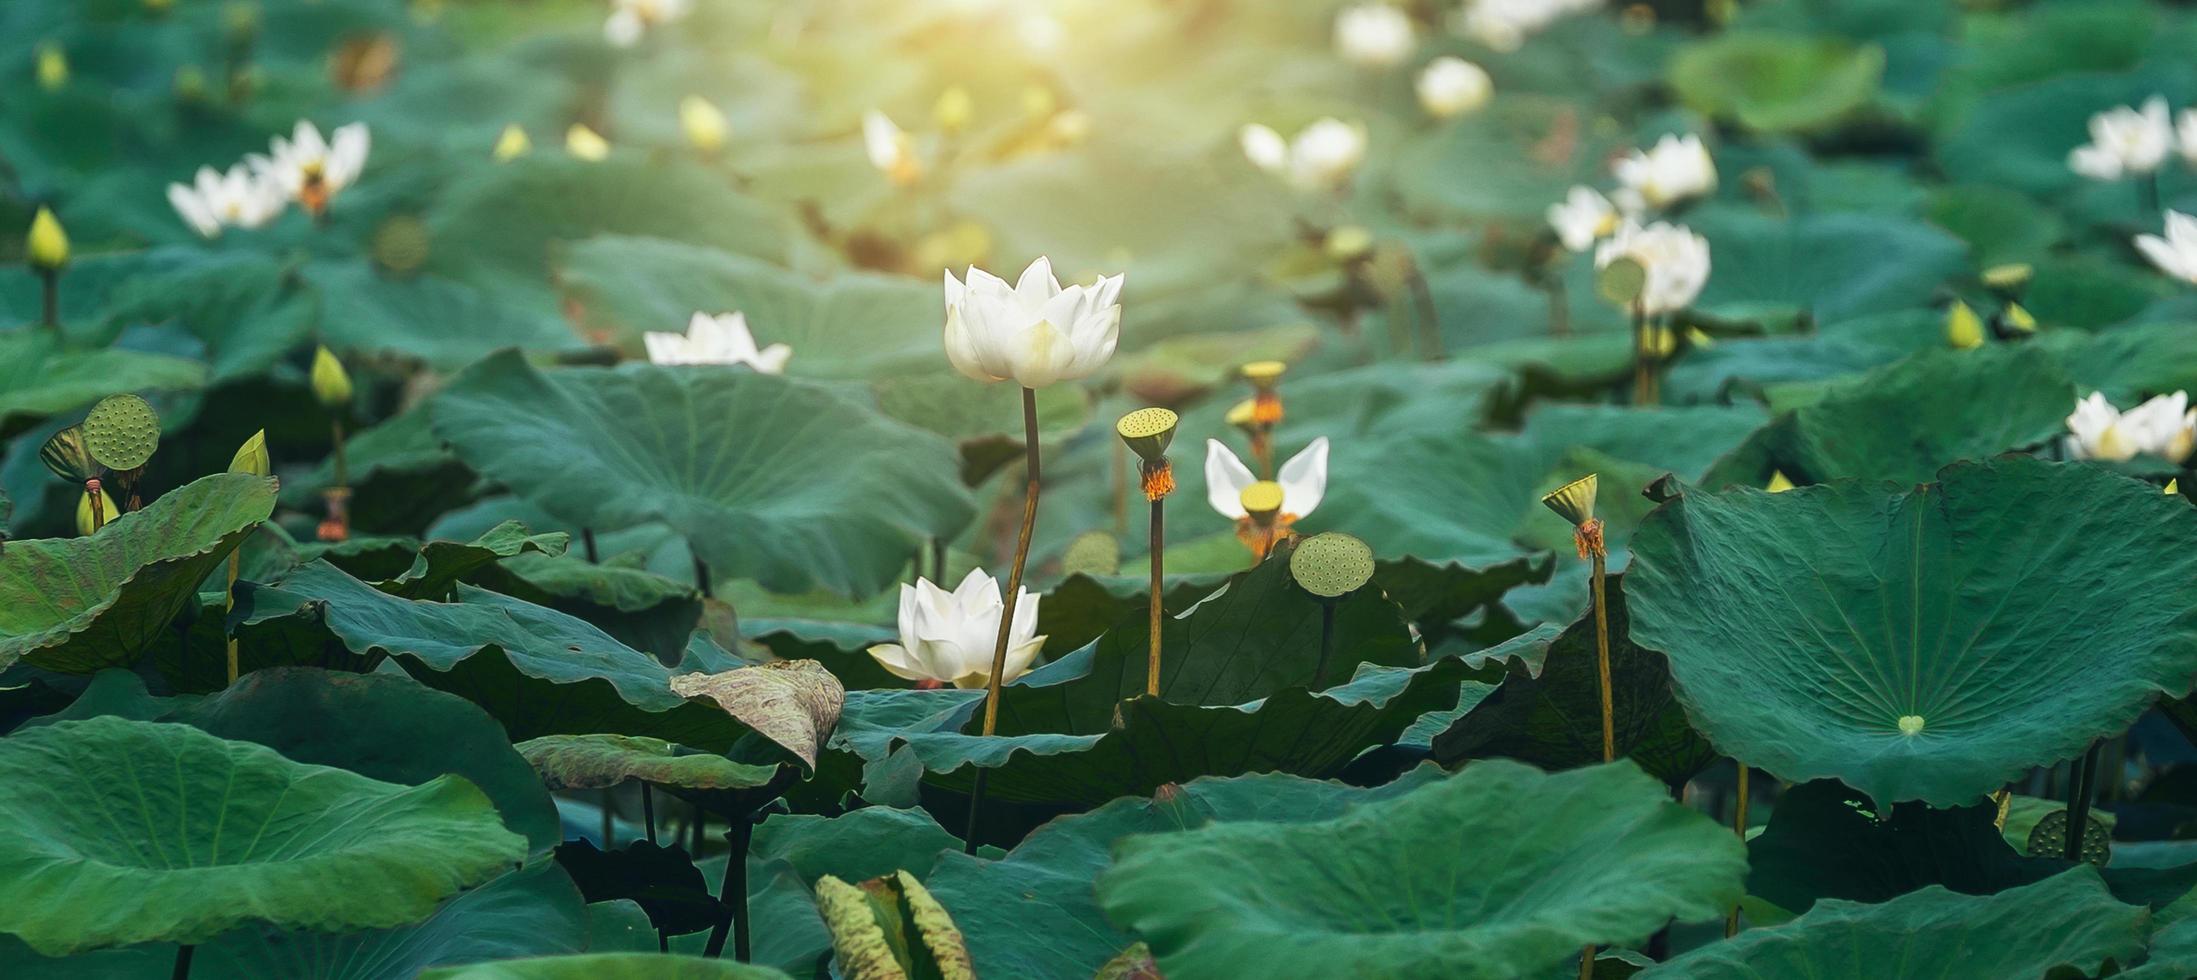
(1225, 478)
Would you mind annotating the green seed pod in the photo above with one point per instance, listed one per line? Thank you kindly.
(331, 383)
(1331, 564)
(1093, 553)
(122, 432)
(2049, 838)
(1621, 282)
(400, 245)
(1574, 501)
(252, 456)
(66, 455)
(1148, 431)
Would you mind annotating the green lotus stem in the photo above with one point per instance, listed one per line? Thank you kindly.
(608, 822)
(938, 560)
(2149, 188)
(182, 962)
(1327, 644)
(701, 577)
(2082, 780)
(648, 811)
(732, 893)
(49, 281)
(1739, 826)
(1007, 603)
(1428, 319)
(1121, 490)
(587, 545)
(1642, 393)
(1158, 544)
(96, 494)
(228, 606)
(1602, 657)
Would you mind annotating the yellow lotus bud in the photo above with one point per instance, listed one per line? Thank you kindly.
(2173, 486)
(1779, 482)
(1963, 328)
(1349, 243)
(2017, 319)
(53, 66)
(48, 245)
(331, 384)
(252, 456)
(1662, 341)
(704, 125)
(107, 512)
(1241, 416)
(954, 109)
(586, 144)
(512, 144)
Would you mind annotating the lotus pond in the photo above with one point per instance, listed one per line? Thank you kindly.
(1198, 489)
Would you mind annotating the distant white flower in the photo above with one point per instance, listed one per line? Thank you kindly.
(630, 19)
(238, 198)
(1033, 332)
(2165, 427)
(1303, 480)
(2125, 141)
(1324, 155)
(2185, 136)
(312, 171)
(1676, 261)
(1376, 35)
(890, 148)
(948, 637)
(1504, 25)
(721, 339)
(1583, 218)
(586, 144)
(1674, 170)
(2175, 254)
(1450, 86)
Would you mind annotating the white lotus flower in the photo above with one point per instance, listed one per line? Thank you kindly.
(2164, 427)
(214, 201)
(948, 637)
(1322, 157)
(2124, 141)
(1450, 86)
(1676, 169)
(2175, 254)
(1675, 259)
(1033, 332)
(311, 171)
(891, 149)
(2185, 136)
(1504, 25)
(1303, 480)
(1376, 35)
(630, 19)
(1583, 218)
(721, 339)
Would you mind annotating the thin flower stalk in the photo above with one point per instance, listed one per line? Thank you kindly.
(1032, 467)
(1147, 432)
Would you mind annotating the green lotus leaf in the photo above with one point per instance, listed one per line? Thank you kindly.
(2066, 921)
(1827, 267)
(364, 313)
(1746, 365)
(76, 605)
(244, 305)
(401, 478)
(1827, 841)
(1510, 129)
(785, 482)
(306, 846)
(39, 378)
(1466, 494)
(1363, 895)
(1904, 421)
(603, 761)
(1684, 440)
(1797, 623)
(1999, 224)
(1777, 82)
(609, 966)
(442, 564)
(856, 845)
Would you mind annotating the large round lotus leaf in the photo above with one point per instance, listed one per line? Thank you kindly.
(127, 831)
(2066, 921)
(366, 313)
(38, 378)
(76, 605)
(1829, 267)
(1931, 643)
(1777, 82)
(609, 966)
(789, 483)
(603, 761)
(1514, 887)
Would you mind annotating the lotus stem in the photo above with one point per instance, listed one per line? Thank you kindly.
(95, 493)
(1739, 826)
(1327, 644)
(938, 560)
(648, 811)
(732, 893)
(228, 606)
(49, 281)
(609, 826)
(2082, 779)
(587, 545)
(701, 577)
(1602, 648)
(1642, 393)
(1428, 319)
(1007, 602)
(2149, 188)
(182, 962)
(1158, 480)
(1121, 490)
(337, 526)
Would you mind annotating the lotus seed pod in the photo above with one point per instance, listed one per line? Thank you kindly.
(252, 456)
(47, 247)
(1263, 374)
(2048, 839)
(1261, 500)
(2011, 276)
(1242, 415)
(67, 456)
(122, 432)
(1094, 553)
(1574, 501)
(86, 524)
(512, 144)
(703, 123)
(1621, 282)
(53, 66)
(331, 383)
(1148, 431)
(400, 245)
(1332, 564)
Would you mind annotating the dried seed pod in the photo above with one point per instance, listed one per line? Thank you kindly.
(67, 456)
(1574, 501)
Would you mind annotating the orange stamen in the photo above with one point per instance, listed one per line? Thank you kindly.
(1589, 539)
(1159, 478)
(1266, 408)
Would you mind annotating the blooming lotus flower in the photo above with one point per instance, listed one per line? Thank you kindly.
(1303, 479)
(891, 149)
(238, 198)
(1450, 86)
(722, 339)
(1033, 332)
(1504, 25)
(311, 171)
(1322, 157)
(1675, 259)
(2164, 426)
(1584, 217)
(630, 19)
(2175, 254)
(1376, 35)
(1676, 169)
(2185, 136)
(2160, 426)
(2125, 141)
(948, 637)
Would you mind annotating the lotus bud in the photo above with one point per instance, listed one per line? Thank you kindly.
(1779, 482)
(1963, 328)
(190, 84)
(2015, 321)
(2173, 486)
(331, 383)
(586, 144)
(703, 123)
(53, 66)
(1662, 342)
(47, 245)
(1574, 502)
(1332, 564)
(954, 109)
(1148, 431)
(94, 509)
(252, 456)
(512, 144)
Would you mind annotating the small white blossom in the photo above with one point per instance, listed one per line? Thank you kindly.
(1675, 259)
(1324, 155)
(1376, 35)
(1583, 218)
(2125, 141)
(1450, 86)
(238, 198)
(721, 339)
(2176, 253)
(949, 637)
(1675, 170)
